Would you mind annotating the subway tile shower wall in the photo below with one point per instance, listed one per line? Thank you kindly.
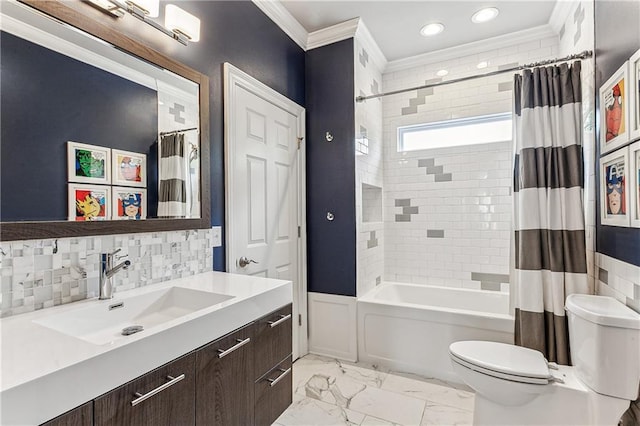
(37, 274)
(448, 211)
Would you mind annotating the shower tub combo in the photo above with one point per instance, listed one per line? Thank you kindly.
(409, 327)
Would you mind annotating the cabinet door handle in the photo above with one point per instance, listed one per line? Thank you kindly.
(273, 382)
(222, 353)
(282, 319)
(140, 397)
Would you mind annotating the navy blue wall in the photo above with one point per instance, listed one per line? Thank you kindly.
(616, 39)
(49, 99)
(239, 33)
(331, 169)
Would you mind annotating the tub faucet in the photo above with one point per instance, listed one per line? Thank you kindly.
(107, 271)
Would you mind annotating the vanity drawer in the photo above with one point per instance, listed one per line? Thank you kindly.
(274, 393)
(273, 339)
(165, 396)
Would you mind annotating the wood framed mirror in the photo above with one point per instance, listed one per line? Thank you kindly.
(85, 18)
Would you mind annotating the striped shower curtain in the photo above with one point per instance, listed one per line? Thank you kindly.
(549, 239)
(172, 176)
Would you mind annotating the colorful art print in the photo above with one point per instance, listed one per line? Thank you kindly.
(634, 96)
(89, 202)
(129, 168)
(129, 203)
(634, 184)
(614, 181)
(614, 111)
(88, 163)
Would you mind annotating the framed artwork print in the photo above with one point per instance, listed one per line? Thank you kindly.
(129, 203)
(614, 188)
(88, 163)
(634, 184)
(614, 111)
(128, 168)
(89, 202)
(634, 96)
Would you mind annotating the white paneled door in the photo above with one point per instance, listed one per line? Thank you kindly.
(265, 189)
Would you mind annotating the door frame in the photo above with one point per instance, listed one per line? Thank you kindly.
(233, 78)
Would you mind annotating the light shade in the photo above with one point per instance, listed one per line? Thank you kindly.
(442, 73)
(151, 7)
(432, 29)
(482, 65)
(179, 21)
(485, 15)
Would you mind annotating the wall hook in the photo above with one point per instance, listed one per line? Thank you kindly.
(330, 216)
(328, 136)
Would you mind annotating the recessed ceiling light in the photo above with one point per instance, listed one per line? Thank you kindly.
(482, 65)
(432, 29)
(485, 15)
(442, 73)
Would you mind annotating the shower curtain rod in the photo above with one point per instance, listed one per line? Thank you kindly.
(177, 131)
(582, 55)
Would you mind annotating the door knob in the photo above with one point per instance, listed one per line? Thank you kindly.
(243, 261)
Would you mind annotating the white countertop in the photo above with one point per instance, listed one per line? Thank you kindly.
(45, 373)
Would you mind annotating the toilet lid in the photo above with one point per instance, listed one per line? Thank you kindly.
(502, 360)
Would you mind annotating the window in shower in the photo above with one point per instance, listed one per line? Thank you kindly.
(459, 132)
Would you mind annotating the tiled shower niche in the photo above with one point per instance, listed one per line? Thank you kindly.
(37, 274)
(371, 203)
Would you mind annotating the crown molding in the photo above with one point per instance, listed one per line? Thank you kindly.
(560, 13)
(524, 36)
(369, 43)
(285, 20)
(332, 34)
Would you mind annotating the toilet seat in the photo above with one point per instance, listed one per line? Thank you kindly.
(502, 361)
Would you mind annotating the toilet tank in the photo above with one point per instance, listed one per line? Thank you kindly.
(604, 336)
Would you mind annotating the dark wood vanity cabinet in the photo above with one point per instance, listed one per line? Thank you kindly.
(164, 396)
(224, 380)
(243, 378)
(80, 416)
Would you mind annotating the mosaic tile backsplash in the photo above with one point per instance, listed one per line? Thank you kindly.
(37, 274)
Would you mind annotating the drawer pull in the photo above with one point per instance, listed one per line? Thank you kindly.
(273, 382)
(282, 319)
(140, 397)
(222, 353)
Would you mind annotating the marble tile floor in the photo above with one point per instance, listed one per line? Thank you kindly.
(327, 391)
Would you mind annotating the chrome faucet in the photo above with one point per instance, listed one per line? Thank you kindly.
(107, 271)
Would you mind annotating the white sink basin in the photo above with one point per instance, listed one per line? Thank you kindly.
(103, 323)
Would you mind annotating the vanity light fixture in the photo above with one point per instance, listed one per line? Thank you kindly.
(179, 24)
(442, 73)
(485, 15)
(432, 29)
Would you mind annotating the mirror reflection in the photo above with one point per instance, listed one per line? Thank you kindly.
(90, 132)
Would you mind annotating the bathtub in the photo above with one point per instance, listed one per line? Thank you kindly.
(409, 327)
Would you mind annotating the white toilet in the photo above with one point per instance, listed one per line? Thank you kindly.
(517, 386)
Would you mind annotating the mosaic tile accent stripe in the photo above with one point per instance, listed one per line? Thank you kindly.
(490, 281)
(38, 274)
(505, 86)
(407, 209)
(420, 99)
(578, 18)
(364, 58)
(603, 275)
(372, 241)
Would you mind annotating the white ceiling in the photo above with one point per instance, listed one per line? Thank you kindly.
(395, 25)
